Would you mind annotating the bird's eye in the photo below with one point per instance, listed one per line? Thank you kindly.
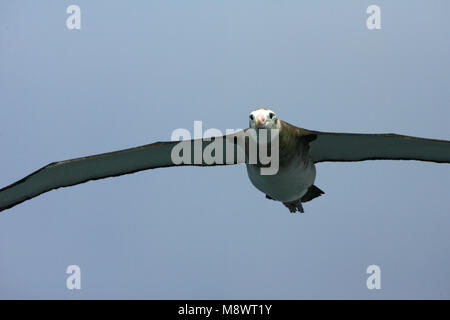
(252, 117)
(271, 115)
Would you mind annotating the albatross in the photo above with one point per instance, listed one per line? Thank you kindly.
(299, 150)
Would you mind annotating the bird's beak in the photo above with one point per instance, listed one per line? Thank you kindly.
(260, 121)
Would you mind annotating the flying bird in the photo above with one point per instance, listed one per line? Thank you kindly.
(293, 183)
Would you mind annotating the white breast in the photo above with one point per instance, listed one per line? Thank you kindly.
(289, 184)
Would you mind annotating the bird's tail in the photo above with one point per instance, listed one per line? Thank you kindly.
(313, 192)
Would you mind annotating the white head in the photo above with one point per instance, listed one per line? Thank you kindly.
(263, 118)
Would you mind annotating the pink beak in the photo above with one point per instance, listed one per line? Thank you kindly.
(260, 119)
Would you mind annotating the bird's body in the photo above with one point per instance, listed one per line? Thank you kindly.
(290, 183)
(296, 173)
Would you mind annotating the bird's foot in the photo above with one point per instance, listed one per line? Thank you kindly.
(294, 206)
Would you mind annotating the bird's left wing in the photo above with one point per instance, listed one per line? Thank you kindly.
(332, 146)
(157, 155)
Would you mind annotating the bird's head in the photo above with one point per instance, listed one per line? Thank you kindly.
(263, 118)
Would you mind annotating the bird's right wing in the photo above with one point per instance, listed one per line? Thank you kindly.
(156, 155)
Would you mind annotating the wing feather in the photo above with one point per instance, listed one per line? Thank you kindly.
(331, 146)
(75, 171)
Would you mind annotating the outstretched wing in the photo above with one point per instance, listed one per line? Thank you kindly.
(157, 155)
(330, 146)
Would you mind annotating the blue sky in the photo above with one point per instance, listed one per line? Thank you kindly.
(137, 71)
